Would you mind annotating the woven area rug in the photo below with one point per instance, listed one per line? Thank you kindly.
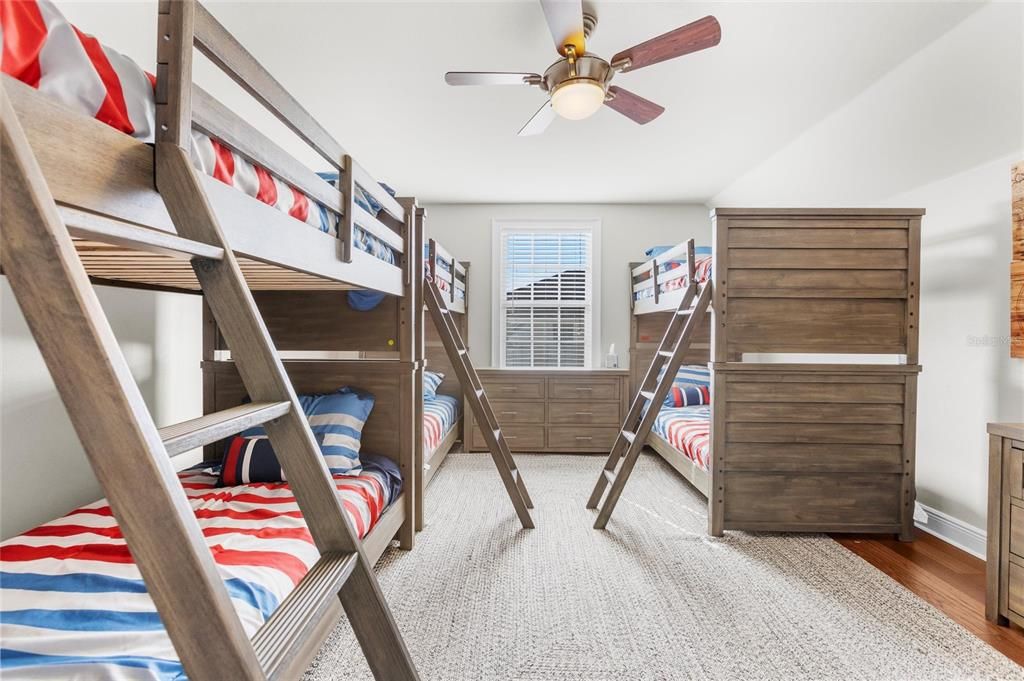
(651, 597)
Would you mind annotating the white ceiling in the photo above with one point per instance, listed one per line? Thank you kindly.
(373, 74)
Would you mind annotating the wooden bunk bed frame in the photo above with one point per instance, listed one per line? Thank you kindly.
(456, 275)
(801, 446)
(85, 203)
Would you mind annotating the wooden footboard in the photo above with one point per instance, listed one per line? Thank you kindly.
(807, 447)
(815, 446)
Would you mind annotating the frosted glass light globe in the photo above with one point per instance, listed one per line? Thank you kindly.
(577, 99)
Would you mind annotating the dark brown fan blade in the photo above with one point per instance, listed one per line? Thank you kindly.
(633, 107)
(490, 78)
(565, 21)
(699, 35)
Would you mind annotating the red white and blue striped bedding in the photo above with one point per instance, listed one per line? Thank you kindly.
(702, 272)
(688, 429)
(73, 604)
(42, 49)
(440, 414)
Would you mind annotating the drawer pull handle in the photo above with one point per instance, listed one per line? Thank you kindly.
(584, 388)
(509, 413)
(584, 437)
(510, 437)
(584, 413)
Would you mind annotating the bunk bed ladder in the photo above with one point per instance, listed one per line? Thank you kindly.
(132, 458)
(477, 398)
(688, 316)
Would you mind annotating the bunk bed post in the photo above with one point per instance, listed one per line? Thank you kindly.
(909, 485)
(111, 420)
(210, 334)
(420, 356)
(411, 390)
(654, 278)
(719, 354)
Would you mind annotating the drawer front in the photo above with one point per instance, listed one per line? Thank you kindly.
(582, 439)
(1015, 588)
(520, 438)
(1017, 530)
(507, 411)
(514, 388)
(1015, 479)
(600, 413)
(586, 389)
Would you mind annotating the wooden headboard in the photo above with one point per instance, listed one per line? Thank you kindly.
(816, 281)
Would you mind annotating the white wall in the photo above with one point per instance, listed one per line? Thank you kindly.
(940, 132)
(43, 469)
(626, 230)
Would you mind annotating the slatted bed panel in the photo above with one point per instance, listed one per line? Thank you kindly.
(646, 331)
(814, 446)
(805, 281)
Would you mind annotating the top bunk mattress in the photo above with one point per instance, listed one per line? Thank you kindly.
(73, 604)
(43, 50)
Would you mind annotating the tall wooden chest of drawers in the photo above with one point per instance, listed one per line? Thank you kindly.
(554, 410)
(1004, 563)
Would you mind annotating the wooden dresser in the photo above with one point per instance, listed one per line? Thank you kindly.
(554, 410)
(1005, 560)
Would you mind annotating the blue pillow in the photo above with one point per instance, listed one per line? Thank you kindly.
(431, 381)
(692, 385)
(682, 395)
(251, 459)
(339, 417)
(363, 300)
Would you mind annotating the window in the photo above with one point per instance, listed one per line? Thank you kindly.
(545, 305)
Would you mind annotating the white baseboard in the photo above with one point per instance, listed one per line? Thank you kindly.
(953, 531)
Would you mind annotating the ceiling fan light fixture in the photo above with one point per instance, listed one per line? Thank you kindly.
(578, 98)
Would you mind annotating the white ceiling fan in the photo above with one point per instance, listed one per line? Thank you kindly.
(580, 82)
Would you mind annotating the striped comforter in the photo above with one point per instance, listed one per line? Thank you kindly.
(688, 429)
(440, 414)
(73, 604)
(42, 49)
(701, 269)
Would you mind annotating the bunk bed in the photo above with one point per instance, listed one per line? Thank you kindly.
(776, 441)
(442, 414)
(88, 198)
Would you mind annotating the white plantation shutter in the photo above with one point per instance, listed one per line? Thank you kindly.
(545, 295)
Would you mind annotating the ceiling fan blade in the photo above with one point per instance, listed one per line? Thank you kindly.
(565, 21)
(540, 121)
(699, 35)
(490, 78)
(633, 107)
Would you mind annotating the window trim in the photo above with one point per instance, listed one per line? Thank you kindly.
(501, 225)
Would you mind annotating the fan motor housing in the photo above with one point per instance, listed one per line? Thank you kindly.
(587, 67)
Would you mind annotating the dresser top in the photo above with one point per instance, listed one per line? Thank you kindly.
(1014, 431)
(556, 370)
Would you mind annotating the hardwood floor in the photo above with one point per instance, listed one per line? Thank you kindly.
(950, 579)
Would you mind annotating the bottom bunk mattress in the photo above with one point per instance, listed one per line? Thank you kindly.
(688, 429)
(440, 414)
(73, 604)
